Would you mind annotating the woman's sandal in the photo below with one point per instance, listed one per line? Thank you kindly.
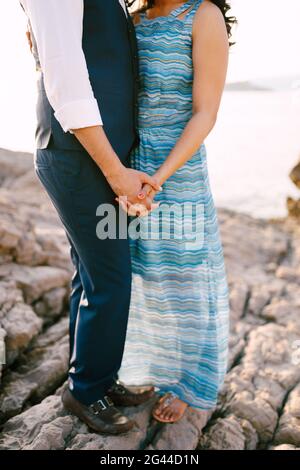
(169, 400)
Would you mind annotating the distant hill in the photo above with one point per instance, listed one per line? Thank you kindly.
(266, 84)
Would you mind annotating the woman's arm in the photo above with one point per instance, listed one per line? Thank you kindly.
(210, 60)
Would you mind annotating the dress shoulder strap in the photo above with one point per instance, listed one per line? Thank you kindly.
(188, 19)
(193, 10)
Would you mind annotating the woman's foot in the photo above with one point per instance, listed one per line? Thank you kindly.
(169, 409)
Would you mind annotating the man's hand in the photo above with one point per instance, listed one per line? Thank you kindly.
(123, 181)
(131, 184)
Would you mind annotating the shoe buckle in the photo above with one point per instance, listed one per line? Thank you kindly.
(108, 400)
(100, 405)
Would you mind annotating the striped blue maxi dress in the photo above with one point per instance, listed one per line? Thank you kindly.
(177, 336)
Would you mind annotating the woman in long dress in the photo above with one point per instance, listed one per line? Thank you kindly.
(177, 335)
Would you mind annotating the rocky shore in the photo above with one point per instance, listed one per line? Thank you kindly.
(259, 406)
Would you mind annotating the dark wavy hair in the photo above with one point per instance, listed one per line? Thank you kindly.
(222, 4)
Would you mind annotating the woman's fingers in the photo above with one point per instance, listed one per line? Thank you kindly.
(148, 189)
(151, 181)
(146, 192)
(137, 210)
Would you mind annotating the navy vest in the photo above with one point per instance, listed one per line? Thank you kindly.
(109, 45)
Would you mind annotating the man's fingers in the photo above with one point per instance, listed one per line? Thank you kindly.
(123, 202)
(151, 181)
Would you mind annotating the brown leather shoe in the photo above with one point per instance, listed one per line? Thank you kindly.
(101, 416)
(129, 396)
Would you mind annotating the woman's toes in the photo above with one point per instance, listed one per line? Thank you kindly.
(169, 415)
(159, 406)
(169, 412)
(160, 414)
(161, 410)
(158, 411)
(164, 414)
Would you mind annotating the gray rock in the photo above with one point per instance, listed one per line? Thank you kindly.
(2, 350)
(21, 325)
(250, 245)
(288, 431)
(261, 295)
(9, 296)
(52, 304)
(14, 164)
(35, 281)
(52, 239)
(237, 341)
(255, 390)
(229, 433)
(239, 293)
(183, 435)
(22, 430)
(44, 369)
(288, 274)
(52, 436)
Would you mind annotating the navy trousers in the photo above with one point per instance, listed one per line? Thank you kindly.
(101, 284)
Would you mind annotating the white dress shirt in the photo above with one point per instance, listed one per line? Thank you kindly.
(58, 28)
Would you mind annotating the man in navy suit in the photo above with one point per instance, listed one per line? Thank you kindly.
(86, 56)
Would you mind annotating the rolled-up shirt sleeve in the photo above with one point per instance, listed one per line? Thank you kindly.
(58, 28)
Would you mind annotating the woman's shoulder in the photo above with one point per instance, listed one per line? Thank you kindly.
(208, 16)
(208, 12)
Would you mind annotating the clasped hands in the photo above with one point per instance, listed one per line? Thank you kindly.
(145, 205)
(135, 191)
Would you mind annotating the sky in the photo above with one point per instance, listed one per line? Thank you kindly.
(268, 38)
